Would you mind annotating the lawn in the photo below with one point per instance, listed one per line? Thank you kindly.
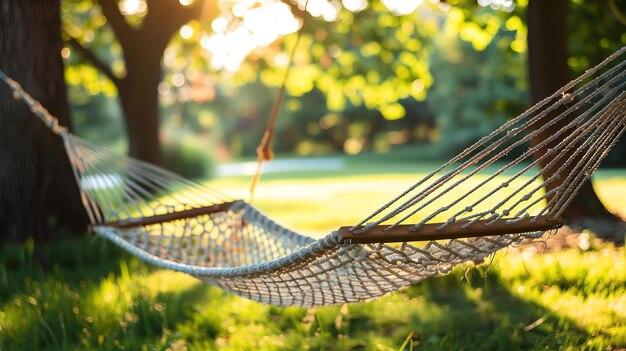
(98, 297)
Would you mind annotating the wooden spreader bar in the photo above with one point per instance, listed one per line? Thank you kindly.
(168, 217)
(456, 230)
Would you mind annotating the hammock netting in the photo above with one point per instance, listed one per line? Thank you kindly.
(488, 197)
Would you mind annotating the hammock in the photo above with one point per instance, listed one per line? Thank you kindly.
(487, 197)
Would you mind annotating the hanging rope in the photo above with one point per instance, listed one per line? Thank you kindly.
(264, 150)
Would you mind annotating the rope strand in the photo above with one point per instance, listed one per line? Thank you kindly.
(264, 150)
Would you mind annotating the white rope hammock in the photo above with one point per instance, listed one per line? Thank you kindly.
(486, 198)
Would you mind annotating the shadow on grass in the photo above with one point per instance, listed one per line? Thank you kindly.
(72, 260)
(95, 296)
(485, 314)
(100, 297)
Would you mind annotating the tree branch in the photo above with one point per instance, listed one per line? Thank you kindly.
(163, 20)
(616, 11)
(297, 11)
(95, 61)
(121, 28)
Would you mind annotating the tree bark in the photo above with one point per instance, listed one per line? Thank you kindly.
(37, 186)
(139, 99)
(548, 71)
(143, 49)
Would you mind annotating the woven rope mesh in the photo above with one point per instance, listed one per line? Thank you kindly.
(236, 237)
(244, 252)
(556, 145)
(118, 188)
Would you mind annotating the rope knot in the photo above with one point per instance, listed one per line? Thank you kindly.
(264, 150)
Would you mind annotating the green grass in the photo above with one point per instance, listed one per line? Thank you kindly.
(97, 297)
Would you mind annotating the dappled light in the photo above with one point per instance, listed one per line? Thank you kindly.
(402, 7)
(133, 7)
(355, 5)
(325, 9)
(243, 27)
(506, 5)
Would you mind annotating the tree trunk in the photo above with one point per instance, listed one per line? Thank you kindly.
(548, 70)
(37, 186)
(139, 98)
(143, 49)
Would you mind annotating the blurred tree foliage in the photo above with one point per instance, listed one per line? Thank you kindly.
(369, 79)
(470, 103)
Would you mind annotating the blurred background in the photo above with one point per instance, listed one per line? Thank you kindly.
(423, 79)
